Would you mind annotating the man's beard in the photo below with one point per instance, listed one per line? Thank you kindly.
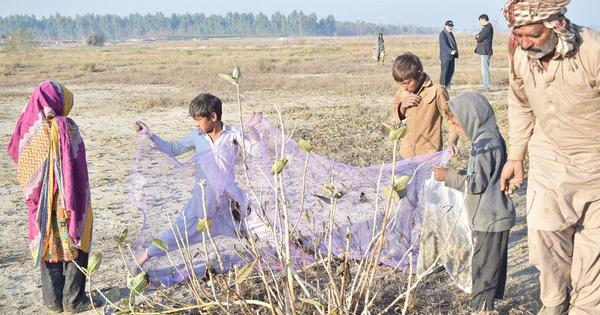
(545, 49)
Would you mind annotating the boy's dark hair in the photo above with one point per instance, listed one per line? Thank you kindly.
(407, 67)
(204, 104)
(484, 17)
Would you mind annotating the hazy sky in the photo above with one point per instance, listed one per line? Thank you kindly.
(464, 13)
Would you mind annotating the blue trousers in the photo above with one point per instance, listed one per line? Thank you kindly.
(485, 71)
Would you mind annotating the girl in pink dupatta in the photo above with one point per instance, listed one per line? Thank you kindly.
(52, 171)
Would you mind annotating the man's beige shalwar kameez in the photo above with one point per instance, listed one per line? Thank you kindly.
(555, 115)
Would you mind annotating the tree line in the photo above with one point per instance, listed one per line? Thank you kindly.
(115, 27)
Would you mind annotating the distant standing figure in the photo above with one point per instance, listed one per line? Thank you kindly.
(448, 52)
(380, 49)
(484, 48)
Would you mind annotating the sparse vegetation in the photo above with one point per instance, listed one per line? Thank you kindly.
(21, 42)
(327, 88)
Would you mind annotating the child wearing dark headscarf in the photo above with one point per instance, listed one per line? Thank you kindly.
(491, 213)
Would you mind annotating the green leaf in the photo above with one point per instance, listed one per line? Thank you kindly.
(139, 282)
(304, 145)
(204, 225)
(386, 129)
(401, 182)
(389, 191)
(121, 237)
(160, 245)
(278, 166)
(397, 134)
(94, 262)
(237, 73)
(228, 78)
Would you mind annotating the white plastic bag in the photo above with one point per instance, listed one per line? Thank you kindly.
(445, 233)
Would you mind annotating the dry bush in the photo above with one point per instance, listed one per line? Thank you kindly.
(158, 103)
(90, 67)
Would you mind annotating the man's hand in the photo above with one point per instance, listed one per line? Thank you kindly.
(143, 129)
(511, 177)
(439, 172)
(453, 52)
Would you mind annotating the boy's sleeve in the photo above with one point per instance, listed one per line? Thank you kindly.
(396, 102)
(442, 105)
(181, 146)
(477, 182)
(520, 116)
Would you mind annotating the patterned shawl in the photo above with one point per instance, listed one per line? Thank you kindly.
(50, 157)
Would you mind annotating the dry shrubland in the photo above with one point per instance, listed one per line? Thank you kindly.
(330, 91)
(339, 65)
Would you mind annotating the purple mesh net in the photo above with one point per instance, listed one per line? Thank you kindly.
(241, 206)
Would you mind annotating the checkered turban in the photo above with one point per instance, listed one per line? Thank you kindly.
(523, 12)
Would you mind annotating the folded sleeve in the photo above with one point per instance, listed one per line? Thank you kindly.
(396, 103)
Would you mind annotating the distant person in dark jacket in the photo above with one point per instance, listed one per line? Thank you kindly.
(484, 48)
(448, 52)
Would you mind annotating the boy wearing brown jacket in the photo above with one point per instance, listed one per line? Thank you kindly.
(422, 105)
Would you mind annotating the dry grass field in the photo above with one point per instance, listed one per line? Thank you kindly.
(329, 89)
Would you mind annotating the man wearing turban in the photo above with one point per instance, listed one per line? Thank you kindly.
(554, 115)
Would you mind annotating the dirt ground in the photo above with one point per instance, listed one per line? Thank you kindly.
(329, 89)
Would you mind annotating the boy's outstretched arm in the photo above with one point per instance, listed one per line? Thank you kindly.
(172, 149)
